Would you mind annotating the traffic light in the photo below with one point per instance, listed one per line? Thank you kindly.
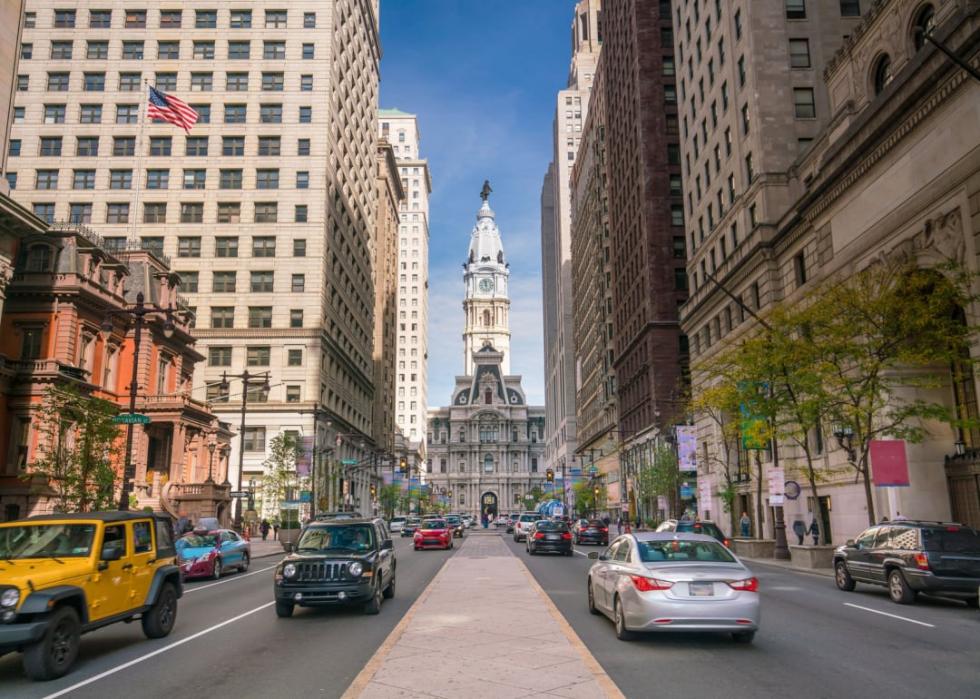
(595, 491)
(550, 475)
(374, 490)
(403, 464)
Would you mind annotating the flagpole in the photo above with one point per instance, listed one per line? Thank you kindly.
(137, 176)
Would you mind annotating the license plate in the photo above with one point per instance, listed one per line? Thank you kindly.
(701, 589)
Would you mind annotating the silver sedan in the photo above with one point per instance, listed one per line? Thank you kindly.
(673, 582)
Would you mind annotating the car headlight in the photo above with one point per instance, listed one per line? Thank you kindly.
(355, 569)
(10, 598)
(289, 570)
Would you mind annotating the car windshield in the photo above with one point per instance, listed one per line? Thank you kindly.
(354, 537)
(452, 520)
(529, 518)
(434, 524)
(708, 528)
(952, 540)
(550, 526)
(46, 541)
(397, 519)
(680, 551)
(197, 541)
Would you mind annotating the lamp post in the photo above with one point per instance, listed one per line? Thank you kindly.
(247, 378)
(211, 448)
(139, 311)
(251, 493)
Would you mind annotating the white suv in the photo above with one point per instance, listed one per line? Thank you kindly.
(524, 523)
(396, 524)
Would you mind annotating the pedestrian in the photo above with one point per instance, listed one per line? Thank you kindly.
(619, 525)
(606, 521)
(275, 530)
(265, 528)
(899, 517)
(745, 523)
(814, 531)
(799, 528)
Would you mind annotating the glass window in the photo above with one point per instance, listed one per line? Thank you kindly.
(64, 19)
(305, 115)
(309, 51)
(235, 114)
(117, 212)
(241, 19)
(88, 146)
(257, 356)
(261, 282)
(44, 211)
(799, 53)
(298, 283)
(189, 247)
(219, 356)
(155, 212)
(206, 19)
(229, 212)
(270, 113)
(804, 103)
(202, 82)
(296, 318)
(266, 212)
(294, 357)
(100, 19)
(850, 8)
(195, 179)
(272, 82)
(90, 114)
(236, 82)
(222, 317)
(80, 213)
(309, 20)
(170, 19)
(191, 212)
(230, 179)
(795, 9)
(160, 145)
(50, 146)
(58, 82)
(259, 316)
(306, 83)
(124, 146)
(270, 145)
(275, 19)
(882, 74)
(233, 145)
(120, 179)
(226, 247)
(196, 146)
(94, 82)
(135, 19)
(264, 246)
(132, 50)
(223, 282)
(255, 439)
(83, 179)
(274, 50)
(204, 50)
(239, 50)
(166, 81)
(267, 179)
(188, 281)
(301, 213)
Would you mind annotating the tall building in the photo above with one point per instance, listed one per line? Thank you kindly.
(11, 20)
(571, 112)
(485, 450)
(411, 383)
(266, 205)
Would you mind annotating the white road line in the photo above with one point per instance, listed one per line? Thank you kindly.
(158, 651)
(893, 616)
(580, 553)
(188, 590)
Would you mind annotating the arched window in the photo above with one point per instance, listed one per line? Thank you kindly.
(924, 23)
(486, 318)
(882, 74)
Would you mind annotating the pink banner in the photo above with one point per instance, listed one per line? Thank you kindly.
(889, 466)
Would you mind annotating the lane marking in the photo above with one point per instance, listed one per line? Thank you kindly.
(189, 590)
(893, 616)
(158, 651)
(580, 553)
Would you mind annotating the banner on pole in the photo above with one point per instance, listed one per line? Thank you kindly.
(889, 465)
(687, 449)
(305, 460)
(777, 486)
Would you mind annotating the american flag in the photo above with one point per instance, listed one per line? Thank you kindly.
(169, 108)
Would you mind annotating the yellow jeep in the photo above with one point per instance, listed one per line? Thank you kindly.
(64, 575)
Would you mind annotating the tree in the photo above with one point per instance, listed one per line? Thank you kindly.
(280, 469)
(661, 476)
(78, 445)
(718, 401)
(390, 497)
(586, 500)
(533, 497)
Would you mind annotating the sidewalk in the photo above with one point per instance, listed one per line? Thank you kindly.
(264, 549)
(483, 628)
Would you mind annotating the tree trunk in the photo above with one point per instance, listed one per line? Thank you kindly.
(868, 493)
(759, 512)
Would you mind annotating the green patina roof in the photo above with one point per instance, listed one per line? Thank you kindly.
(393, 113)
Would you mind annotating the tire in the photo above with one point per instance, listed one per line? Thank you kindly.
(216, 570)
(55, 653)
(592, 608)
(389, 592)
(159, 620)
(973, 602)
(743, 636)
(244, 564)
(284, 610)
(898, 589)
(373, 606)
(619, 619)
(842, 578)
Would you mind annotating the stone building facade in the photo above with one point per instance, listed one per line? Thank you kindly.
(894, 172)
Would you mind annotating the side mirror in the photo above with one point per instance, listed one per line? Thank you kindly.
(112, 551)
(593, 555)
(387, 545)
(849, 543)
(603, 557)
(289, 548)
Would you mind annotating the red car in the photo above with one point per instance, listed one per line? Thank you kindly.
(433, 534)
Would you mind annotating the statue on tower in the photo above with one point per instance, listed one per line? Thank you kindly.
(485, 192)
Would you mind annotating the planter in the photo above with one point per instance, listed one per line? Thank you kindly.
(754, 548)
(811, 557)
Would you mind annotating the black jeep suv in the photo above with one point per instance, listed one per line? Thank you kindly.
(909, 557)
(341, 561)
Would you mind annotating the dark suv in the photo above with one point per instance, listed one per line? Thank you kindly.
(909, 557)
(339, 562)
(695, 527)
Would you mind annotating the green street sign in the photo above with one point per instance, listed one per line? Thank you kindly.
(131, 419)
(349, 462)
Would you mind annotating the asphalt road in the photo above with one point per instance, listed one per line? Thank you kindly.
(811, 643)
(228, 642)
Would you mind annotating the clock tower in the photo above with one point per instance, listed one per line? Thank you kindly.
(486, 303)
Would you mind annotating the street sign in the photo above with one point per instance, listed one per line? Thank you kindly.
(239, 493)
(349, 462)
(131, 419)
(305, 496)
(593, 470)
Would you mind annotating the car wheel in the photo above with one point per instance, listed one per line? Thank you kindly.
(244, 565)
(54, 654)
(284, 610)
(898, 589)
(373, 606)
(159, 620)
(619, 617)
(843, 579)
(216, 570)
(592, 608)
(743, 636)
(389, 592)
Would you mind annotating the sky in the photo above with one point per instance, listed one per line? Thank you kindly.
(482, 76)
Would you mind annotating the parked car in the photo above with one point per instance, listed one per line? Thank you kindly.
(590, 531)
(546, 536)
(673, 582)
(67, 574)
(340, 562)
(524, 521)
(396, 524)
(456, 524)
(410, 525)
(433, 534)
(204, 553)
(502, 521)
(703, 526)
(469, 521)
(909, 557)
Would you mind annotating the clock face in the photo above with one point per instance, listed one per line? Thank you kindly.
(486, 285)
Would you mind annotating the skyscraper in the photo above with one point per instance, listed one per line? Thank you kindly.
(266, 205)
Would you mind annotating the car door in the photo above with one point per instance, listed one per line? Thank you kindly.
(109, 587)
(859, 557)
(878, 553)
(230, 547)
(620, 568)
(607, 575)
(386, 557)
(143, 557)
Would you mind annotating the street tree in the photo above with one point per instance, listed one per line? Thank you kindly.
(532, 497)
(718, 400)
(78, 445)
(586, 500)
(280, 475)
(389, 496)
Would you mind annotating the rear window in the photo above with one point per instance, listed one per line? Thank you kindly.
(551, 527)
(674, 551)
(529, 518)
(962, 540)
(434, 524)
(706, 528)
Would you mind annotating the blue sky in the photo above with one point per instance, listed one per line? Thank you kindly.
(482, 76)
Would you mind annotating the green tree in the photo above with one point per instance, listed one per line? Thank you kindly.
(390, 497)
(533, 497)
(78, 445)
(285, 450)
(586, 499)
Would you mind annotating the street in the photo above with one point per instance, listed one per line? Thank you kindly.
(811, 643)
(316, 653)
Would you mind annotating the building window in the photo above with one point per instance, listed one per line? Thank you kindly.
(236, 82)
(309, 51)
(795, 9)
(292, 394)
(305, 115)
(850, 8)
(270, 145)
(306, 83)
(230, 179)
(272, 82)
(302, 180)
(160, 145)
(222, 317)
(122, 146)
(129, 82)
(30, 346)
(294, 357)
(680, 279)
(235, 114)
(676, 215)
(44, 211)
(189, 247)
(135, 19)
(799, 53)
(799, 268)
(241, 19)
(117, 212)
(680, 251)
(50, 146)
(261, 282)
(275, 19)
(223, 282)
(267, 179)
(749, 172)
(804, 103)
(80, 213)
(264, 246)
(155, 212)
(259, 317)
(296, 318)
(120, 179)
(205, 19)
(132, 50)
(226, 247)
(171, 19)
(219, 356)
(301, 213)
(232, 145)
(64, 19)
(270, 113)
(90, 114)
(195, 179)
(298, 283)
(254, 438)
(191, 212)
(266, 212)
(58, 82)
(196, 146)
(882, 74)
(257, 356)
(924, 23)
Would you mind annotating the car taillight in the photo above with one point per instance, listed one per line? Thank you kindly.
(604, 529)
(748, 585)
(566, 535)
(538, 535)
(649, 584)
(727, 543)
(922, 561)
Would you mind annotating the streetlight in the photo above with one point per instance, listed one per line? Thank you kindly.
(251, 493)
(211, 448)
(960, 447)
(247, 378)
(845, 439)
(139, 311)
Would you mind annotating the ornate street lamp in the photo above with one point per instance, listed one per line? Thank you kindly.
(844, 434)
(211, 448)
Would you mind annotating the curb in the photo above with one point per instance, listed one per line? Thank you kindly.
(818, 572)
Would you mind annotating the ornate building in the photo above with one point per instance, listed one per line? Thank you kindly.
(486, 449)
